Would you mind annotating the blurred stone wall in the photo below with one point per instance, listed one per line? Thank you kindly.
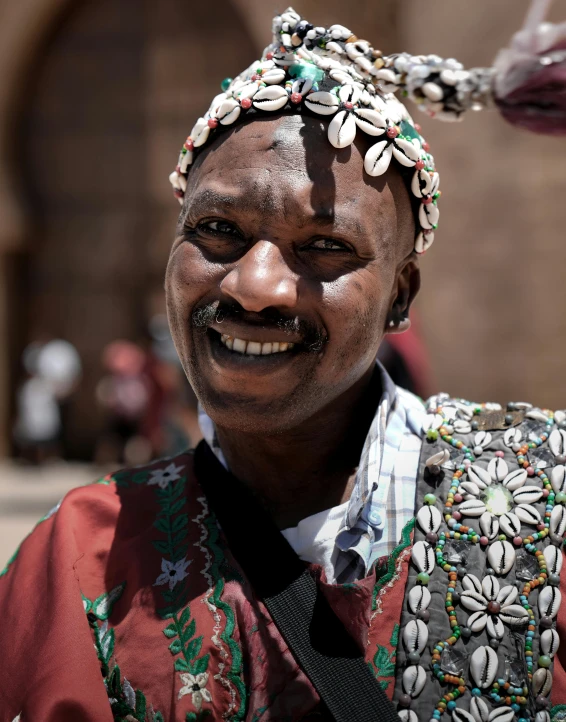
(95, 99)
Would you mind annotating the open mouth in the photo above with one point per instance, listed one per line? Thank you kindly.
(254, 348)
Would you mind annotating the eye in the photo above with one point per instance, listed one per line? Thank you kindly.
(328, 244)
(219, 227)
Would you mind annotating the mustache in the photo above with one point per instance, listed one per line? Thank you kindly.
(313, 336)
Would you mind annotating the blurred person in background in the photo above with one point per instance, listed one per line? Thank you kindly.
(334, 549)
(54, 370)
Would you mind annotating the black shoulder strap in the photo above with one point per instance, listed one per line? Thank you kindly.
(322, 647)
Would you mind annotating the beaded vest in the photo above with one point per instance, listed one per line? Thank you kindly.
(482, 596)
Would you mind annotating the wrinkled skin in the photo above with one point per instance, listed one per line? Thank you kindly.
(284, 238)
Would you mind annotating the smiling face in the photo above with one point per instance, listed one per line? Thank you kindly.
(288, 265)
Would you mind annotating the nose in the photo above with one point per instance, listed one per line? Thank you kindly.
(261, 279)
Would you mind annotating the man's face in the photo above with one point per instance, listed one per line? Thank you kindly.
(287, 262)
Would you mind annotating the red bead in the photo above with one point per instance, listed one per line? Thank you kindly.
(178, 168)
(269, 56)
(246, 103)
(212, 122)
(296, 97)
(255, 76)
(178, 194)
(417, 127)
(545, 493)
(419, 165)
(530, 471)
(348, 105)
(426, 146)
(457, 498)
(456, 515)
(517, 541)
(541, 527)
(427, 200)
(188, 144)
(493, 607)
(484, 541)
(392, 132)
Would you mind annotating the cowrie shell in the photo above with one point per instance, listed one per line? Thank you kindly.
(414, 680)
(433, 92)
(470, 488)
(512, 436)
(422, 555)
(342, 130)
(553, 557)
(542, 682)
(376, 162)
(528, 514)
(228, 111)
(429, 518)
(273, 76)
(370, 121)
(441, 457)
(301, 86)
(495, 627)
(461, 715)
(537, 415)
(501, 556)
(473, 601)
(248, 90)
(479, 709)
(549, 642)
(340, 76)
(423, 243)
(558, 478)
(489, 525)
(406, 154)
(510, 524)
(461, 426)
(507, 596)
(477, 621)
(472, 507)
(515, 479)
(388, 76)
(498, 469)
(483, 439)
(557, 523)
(514, 615)
(415, 636)
(421, 183)
(560, 416)
(200, 132)
(472, 584)
(501, 714)
(557, 441)
(527, 495)
(483, 666)
(428, 218)
(322, 102)
(490, 587)
(419, 599)
(349, 94)
(407, 715)
(186, 160)
(479, 476)
(431, 421)
(271, 98)
(549, 601)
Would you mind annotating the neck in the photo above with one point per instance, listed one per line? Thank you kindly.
(309, 468)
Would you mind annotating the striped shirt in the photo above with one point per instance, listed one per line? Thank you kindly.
(383, 498)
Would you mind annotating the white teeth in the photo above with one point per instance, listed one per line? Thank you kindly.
(254, 348)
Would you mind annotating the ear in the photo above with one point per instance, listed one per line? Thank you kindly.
(405, 289)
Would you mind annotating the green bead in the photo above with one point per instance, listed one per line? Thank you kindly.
(544, 661)
(432, 435)
(225, 84)
(429, 499)
(423, 578)
(560, 498)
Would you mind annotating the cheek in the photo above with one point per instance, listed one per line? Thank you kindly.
(356, 308)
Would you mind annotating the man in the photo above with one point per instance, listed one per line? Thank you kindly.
(294, 256)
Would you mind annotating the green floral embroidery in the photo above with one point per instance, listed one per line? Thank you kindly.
(127, 704)
(235, 673)
(558, 713)
(172, 521)
(385, 572)
(384, 660)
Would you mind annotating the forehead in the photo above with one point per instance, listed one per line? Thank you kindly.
(286, 165)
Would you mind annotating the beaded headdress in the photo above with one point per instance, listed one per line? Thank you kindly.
(330, 72)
